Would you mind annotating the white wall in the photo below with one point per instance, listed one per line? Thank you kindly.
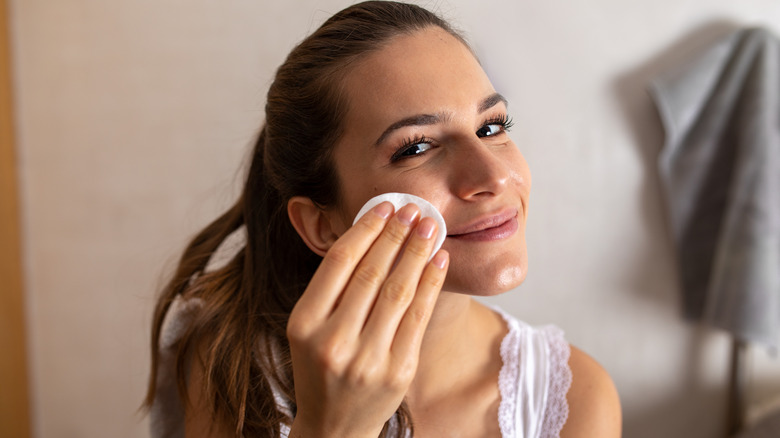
(134, 117)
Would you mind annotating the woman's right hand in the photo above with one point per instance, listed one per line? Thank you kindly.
(355, 333)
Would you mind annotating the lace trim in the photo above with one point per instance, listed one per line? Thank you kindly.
(557, 409)
(507, 379)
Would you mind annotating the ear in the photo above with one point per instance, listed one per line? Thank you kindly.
(312, 223)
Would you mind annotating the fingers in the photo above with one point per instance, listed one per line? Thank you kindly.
(372, 271)
(400, 288)
(337, 266)
(408, 337)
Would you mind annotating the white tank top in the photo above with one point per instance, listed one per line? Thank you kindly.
(533, 381)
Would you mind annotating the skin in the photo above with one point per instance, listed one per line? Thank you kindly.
(363, 338)
(466, 177)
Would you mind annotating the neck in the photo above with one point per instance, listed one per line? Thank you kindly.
(459, 341)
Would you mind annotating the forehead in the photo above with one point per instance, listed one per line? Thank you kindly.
(427, 71)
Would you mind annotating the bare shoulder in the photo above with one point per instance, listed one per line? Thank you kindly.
(594, 406)
(199, 419)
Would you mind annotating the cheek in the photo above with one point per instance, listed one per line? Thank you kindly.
(430, 188)
(353, 196)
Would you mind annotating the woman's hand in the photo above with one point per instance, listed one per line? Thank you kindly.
(355, 334)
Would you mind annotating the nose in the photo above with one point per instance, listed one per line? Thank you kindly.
(480, 171)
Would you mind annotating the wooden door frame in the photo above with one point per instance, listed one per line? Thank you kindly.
(14, 395)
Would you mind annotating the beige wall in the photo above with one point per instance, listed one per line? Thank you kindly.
(134, 117)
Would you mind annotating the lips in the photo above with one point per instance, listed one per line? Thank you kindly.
(492, 227)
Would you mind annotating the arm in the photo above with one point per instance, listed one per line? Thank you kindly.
(594, 406)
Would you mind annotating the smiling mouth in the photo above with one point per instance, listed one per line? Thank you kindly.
(495, 228)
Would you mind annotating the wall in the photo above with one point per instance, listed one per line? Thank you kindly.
(134, 117)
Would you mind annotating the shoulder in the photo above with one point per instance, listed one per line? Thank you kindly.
(175, 412)
(594, 405)
(199, 418)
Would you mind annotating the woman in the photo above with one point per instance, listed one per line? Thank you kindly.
(310, 330)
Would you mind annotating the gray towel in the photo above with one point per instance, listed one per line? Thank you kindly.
(720, 167)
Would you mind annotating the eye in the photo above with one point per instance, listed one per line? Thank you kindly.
(494, 127)
(412, 148)
(491, 129)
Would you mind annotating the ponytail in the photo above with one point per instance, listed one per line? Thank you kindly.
(235, 319)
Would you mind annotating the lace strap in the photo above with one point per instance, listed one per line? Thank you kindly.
(508, 378)
(534, 380)
(557, 410)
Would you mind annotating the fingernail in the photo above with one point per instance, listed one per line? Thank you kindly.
(408, 214)
(440, 259)
(426, 227)
(384, 210)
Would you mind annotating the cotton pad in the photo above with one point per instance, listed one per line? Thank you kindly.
(399, 200)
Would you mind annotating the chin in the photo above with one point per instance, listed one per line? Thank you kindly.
(485, 284)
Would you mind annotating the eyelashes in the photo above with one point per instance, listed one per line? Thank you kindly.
(419, 145)
(412, 147)
(504, 121)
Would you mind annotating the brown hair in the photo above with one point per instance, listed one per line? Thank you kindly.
(240, 329)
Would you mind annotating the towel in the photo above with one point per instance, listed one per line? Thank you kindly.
(720, 168)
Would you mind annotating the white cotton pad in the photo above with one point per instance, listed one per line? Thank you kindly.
(399, 200)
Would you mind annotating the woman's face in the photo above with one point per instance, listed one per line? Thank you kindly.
(424, 119)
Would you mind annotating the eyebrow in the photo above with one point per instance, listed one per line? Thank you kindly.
(491, 101)
(432, 119)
